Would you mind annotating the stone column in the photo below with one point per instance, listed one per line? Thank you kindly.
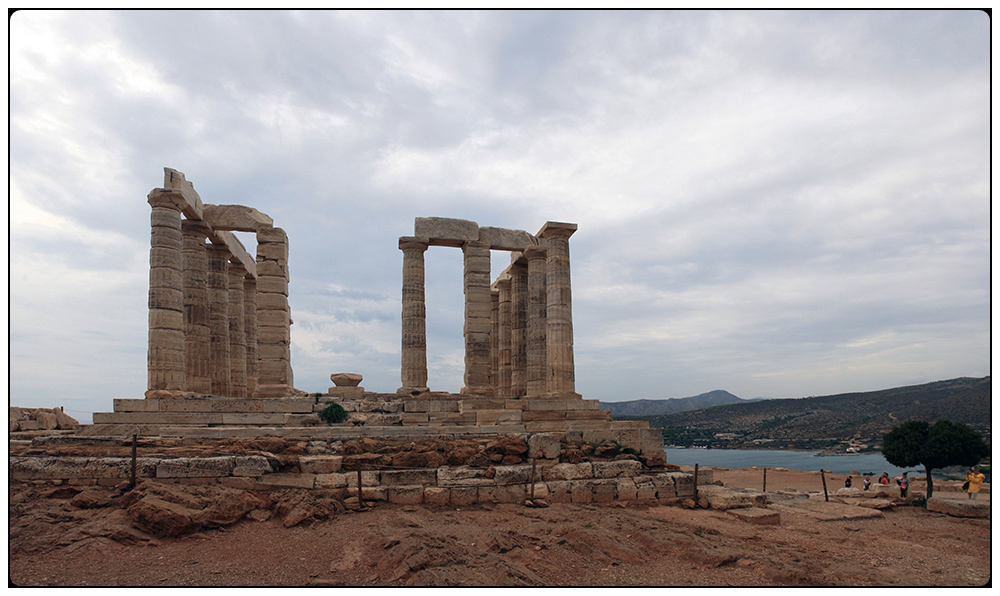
(477, 318)
(196, 318)
(274, 378)
(504, 360)
(166, 357)
(237, 332)
(559, 310)
(218, 319)
(495, 339)
(518, 335)
(250, 330)
(413, 371)
(535, 340)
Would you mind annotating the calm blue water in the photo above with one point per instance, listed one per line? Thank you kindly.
(793, 460)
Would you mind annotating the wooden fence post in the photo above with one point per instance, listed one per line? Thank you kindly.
(823, 476)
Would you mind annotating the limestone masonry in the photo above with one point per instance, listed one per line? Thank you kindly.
(219, 369)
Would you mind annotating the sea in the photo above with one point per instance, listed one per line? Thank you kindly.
(808, 461)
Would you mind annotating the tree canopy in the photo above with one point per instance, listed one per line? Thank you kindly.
(934, 446)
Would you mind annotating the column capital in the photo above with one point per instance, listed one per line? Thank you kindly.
(413, 243)
(170, 199)
(556, 229)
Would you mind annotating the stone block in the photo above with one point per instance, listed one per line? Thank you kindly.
(581, 492)
(547, 426)
(262, 419)
(605, 493)
(251, 465)
(541, 491)
(569, 471)
(543, 415)
(374, 493)
(504, 475)
(959, 507)
(434, 495)
(626, 489)
(506, 239)
(240, 483)
(514, 493)
(614, 469)
(462, 476)
(321, 464)
(341, 480)
(442, 231)
(136, 405)
(195, 467)
(646, 492)
(288, 405)
(414, 418)
(488, 494)
(756, 515)
(286, 481)
(405, 495)
(560, 491)
(421, 477)
(431, 405)
(463, 496)
(543, 446)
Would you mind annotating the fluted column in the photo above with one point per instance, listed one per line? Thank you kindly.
(413, 370)
(560, 379)
(274, 369)
(166, 357)
(196, 319)
(250, 331)
(237, 332)
(535, 340)
(477, 318)
(218, 318)
(504, 360)
(495, 339)
(519, 324)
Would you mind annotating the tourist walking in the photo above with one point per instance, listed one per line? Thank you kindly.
(904, 483)
(974, 482)
(868, 484)
(847, 482)
(884, 478)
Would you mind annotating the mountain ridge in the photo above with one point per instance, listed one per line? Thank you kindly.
(660, 407)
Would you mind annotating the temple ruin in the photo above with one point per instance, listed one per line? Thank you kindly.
(220, 370)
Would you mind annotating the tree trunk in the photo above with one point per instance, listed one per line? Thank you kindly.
(930, 483)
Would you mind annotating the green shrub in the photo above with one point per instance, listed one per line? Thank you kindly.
(333, 414)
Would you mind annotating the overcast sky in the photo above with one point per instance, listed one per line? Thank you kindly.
(776, 204)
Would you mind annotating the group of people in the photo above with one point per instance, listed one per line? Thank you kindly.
(973, 482)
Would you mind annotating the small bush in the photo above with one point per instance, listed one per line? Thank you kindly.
(333, 414)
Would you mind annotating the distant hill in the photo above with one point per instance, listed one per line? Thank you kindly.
(660, 407)
(816, 421)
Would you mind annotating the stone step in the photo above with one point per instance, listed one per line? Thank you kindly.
(190, 418)
(306, 432)
(217, 404)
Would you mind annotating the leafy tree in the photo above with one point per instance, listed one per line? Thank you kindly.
(333, 414)
(941, 445)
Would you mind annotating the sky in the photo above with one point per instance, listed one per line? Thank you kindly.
(778, 204)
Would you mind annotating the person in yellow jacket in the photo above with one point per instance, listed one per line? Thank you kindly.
(975, 480)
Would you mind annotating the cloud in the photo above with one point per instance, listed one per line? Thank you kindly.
(780, 203)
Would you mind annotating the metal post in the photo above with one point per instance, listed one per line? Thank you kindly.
(359, 486)
(132, 475)
(696, 484)
(823, 476)
(765, 480)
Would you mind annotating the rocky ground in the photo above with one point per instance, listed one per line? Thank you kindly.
(63, 536)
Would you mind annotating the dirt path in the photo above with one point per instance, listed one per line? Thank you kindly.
(53, 543)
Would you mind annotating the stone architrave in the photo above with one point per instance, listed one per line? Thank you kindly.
(560, 378)
(250, 331)
(414, 363)
(274, 376)
(218, 313)
(536, 323)
(504, 359)
(166, 357)
(237, 332)
(519, 324)
(477, 319)
(196, 317)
